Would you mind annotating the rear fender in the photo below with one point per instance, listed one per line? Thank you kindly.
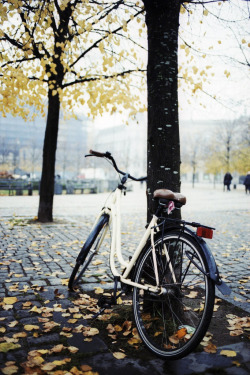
(213, 269)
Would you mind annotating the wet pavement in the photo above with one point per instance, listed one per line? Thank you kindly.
(37, 259)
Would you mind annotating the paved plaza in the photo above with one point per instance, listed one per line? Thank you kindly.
(37, 259)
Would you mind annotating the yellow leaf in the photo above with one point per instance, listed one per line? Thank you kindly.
(19, 335)
(91, 332)
(30, 327)
(73, 349)
(13, 324)
(192, 294)
(97, 262)
(9, 370)
(77, 316)
(2, 329)
(98, 290)
(182, 9)
(119, 355)
(72, 321)
(48, 366)
(205, 12)
(36, 361)
(64, 281)
(62, 361)
(117, 328)
(228, 353)
(133, 341)
(10, 300)
(6, 346)
(58, 348)
(236, 363)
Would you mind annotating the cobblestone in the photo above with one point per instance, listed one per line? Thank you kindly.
(37, 259)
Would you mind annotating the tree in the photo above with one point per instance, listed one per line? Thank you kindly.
(62, 53)
(163, 171)
(241, 156)
(162, 20)
(229, 148)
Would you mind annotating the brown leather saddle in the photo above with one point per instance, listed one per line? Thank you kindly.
(170, 195)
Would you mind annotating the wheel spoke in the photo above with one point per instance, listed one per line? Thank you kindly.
(172, 324)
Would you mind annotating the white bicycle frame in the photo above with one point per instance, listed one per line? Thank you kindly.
(113, 209)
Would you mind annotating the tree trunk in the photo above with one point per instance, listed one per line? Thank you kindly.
(162, 19)
(45, 210)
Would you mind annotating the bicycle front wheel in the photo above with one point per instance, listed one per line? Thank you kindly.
(89, 249)
(173, 323)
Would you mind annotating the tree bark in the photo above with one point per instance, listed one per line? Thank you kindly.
(163, 170)
(45, 210)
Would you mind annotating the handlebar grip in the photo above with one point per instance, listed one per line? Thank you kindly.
(98, 154)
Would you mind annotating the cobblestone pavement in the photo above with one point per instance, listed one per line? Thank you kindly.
(37, 259)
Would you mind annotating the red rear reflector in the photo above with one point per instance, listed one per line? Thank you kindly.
(204, 232)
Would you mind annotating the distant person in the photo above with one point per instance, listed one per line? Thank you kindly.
(227, 181)
(247, 182)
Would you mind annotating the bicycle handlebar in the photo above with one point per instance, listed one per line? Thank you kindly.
(108, 155)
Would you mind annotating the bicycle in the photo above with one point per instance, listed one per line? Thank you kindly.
(172, 274)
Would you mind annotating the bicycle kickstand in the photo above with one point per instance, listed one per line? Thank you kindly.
(105, 302)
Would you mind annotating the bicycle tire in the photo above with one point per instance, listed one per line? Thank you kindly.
(171, 325)
(89, 249)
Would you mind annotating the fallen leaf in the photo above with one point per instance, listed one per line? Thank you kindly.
(181, 333)
(236, 332)
(13, 324)
(10, 300)
(228, 353)
(19, 335)
(99, 290)
(73, 349)
(192, 294)
(97, 262)
(9, 370)
(210, 348)
(119, 355)
(64, 282)
(117, 328)
(174, 339)
(236, 363)
(30, 327)
(134, 341)
(90, 332)
(6, 346)
(58, 348)
(86, 368)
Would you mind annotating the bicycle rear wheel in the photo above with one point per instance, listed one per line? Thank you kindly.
(173, 323)
(89, 249)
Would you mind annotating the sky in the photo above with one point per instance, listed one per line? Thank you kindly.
(220, 39)
(217, 31)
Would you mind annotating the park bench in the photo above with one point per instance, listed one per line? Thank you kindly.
(82, 186)
(16, 186)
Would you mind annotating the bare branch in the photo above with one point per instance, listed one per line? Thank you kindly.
(100, 76)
